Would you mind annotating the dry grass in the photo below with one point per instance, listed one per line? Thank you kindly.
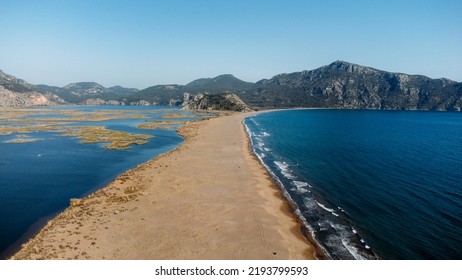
(169, 125)
(173, 115)
(28, 120)
(118, 140)
(21, 139)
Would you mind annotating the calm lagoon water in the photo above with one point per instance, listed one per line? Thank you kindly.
(38, 179)
(369, 184)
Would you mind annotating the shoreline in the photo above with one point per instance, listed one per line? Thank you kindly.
(291, 204)
(206, 212)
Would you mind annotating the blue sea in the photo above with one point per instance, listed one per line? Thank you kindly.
(369, 184)
(38, 179)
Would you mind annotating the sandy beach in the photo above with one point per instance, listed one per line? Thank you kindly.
(208, 199)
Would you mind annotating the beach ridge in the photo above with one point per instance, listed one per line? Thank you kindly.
(210, 198)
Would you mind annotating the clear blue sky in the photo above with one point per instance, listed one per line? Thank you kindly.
(142, 43)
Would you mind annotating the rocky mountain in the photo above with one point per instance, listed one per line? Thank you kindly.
(63, 93)
(346, 85)
(99, 101)
(168, 95)
(14, 84)
(337, 85)
(91, 90)
(222, 102)
(10, 98)
(95, 89)
(122, 91)
(17, 92)
(112, 102)
(173, 94)
(219, 84)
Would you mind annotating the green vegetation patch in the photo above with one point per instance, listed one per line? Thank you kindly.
(28, 120)
(173, 115)
(168, 125)
(118, 140)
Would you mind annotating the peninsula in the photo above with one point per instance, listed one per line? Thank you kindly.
(208, 199)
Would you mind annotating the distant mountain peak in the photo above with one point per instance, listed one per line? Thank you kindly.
(346, 85)
(341, 63)
(6, 78)
(350, 67)
(220, 78)
(221, 83)
(83, 85)
(226, 76)
(122, 90)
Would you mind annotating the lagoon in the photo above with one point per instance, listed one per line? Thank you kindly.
(39, 177)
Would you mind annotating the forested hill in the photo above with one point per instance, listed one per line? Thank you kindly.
(337, 85)
(346, 85)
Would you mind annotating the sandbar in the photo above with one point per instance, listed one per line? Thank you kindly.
(208, 199)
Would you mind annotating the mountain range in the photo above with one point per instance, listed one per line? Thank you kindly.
(337, 85)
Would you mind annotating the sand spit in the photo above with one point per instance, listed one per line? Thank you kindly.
(208, 199)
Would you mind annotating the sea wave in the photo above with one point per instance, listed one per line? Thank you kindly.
(285, 170)
(337, 240)
(300, 186)
(327, 209)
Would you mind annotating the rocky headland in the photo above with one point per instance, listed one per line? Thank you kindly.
(217, 102)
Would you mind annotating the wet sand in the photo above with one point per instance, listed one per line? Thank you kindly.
(208, 199)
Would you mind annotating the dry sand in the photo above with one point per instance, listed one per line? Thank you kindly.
(208, 199)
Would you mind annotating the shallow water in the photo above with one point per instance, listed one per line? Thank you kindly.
(38, 179)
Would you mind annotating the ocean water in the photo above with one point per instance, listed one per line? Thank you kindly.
(369, 184)
(38, 179)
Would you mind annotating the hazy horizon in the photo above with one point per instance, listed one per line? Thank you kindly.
(144, 43)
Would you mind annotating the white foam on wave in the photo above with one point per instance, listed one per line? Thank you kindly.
(345, 237)
(260, 143)
(309, 203)
(285, 192)
(301, 190)
(249, 132)
(281, 164)
(300, 186)
(265, 134)
(284, 167)
(324, 225)
(327, 209)
(351, 249)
